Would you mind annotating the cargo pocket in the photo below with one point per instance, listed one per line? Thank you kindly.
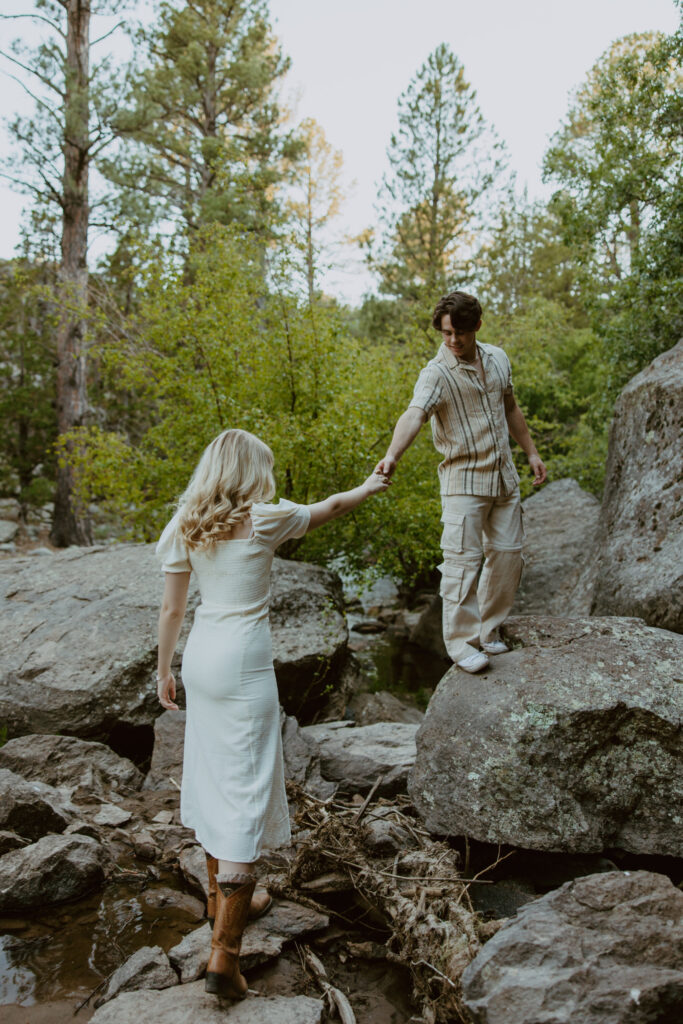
(451, 582)
(452, 536)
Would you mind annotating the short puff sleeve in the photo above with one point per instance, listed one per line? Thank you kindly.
(274, 524)
(171, 550)
(428, 393)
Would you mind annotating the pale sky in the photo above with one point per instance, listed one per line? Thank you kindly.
(352, 59)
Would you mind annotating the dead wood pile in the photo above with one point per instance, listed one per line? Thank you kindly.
(379, 851)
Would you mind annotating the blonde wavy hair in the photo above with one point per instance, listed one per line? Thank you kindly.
(235, 471)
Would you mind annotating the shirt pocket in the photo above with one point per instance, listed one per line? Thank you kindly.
(452, 535)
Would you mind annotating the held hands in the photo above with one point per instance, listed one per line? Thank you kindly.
(376, 483)
(166, 691)
(538, 469)
(386, 466)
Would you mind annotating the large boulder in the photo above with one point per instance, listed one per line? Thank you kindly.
(560, 522)
(78, 639)
(77, 765)
(53, 870)
(570, 742)
(31, 808)
(639, 567)
(604, 949)
(355, 757)
(192, 1003)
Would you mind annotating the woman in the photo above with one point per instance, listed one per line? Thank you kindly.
(233, 789)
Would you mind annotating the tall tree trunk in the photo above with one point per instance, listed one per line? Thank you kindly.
(70, 525)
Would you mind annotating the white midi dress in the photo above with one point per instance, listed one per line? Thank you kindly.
(233, 787)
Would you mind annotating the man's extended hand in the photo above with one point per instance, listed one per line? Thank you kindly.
(539, 470)
(386, 466)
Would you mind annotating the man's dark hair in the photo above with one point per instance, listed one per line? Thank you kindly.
(463, 309)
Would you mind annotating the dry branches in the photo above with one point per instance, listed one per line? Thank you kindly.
(386, 857)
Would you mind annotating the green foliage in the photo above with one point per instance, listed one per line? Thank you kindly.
(560, 379)
(208, 349)
(618, 160)
(27, 383)
(527, 258)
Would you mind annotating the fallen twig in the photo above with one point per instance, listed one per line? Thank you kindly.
(334, 995)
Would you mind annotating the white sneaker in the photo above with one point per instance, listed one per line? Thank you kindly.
(495, 647)
(474, 662)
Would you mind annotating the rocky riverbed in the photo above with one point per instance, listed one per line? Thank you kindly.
(513, 856)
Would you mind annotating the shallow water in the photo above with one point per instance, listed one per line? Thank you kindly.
(65, 952)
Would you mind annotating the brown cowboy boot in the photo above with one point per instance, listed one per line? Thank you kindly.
(233, 897)
(257, 908)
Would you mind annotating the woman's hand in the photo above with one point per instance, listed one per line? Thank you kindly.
(376, 483)
(166, 691)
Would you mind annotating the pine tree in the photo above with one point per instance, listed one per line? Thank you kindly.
(201, 130)
(58, 145)
(444, 161)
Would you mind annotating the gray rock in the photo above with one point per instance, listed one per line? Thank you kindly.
(167, 753)
(31, 808)
(10, 841)
(90, 768)
(147, 968)
(112, 816)
(570, 742)
(77, 638)
(192, 1003)
(8, 531)
(191, 955)
(302, 759)
(354, 757)
(560, 523)
(53, 870)
(309, 634)
(604, 949)
(192, 862)
(10, 509)
(173, 903)
(263, 939)
(639, 567)
(301, 756)
(383, 706)
(9, 549)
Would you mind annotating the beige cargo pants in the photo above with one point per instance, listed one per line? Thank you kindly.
(475, 604)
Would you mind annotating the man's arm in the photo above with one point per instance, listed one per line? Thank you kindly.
(406, 430)
(520, 433)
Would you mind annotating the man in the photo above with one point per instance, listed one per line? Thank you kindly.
(467, 391)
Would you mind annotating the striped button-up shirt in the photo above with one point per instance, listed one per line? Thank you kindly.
(468, 421)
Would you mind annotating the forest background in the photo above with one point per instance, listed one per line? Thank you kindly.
(207, 309)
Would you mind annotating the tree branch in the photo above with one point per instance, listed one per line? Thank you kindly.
(36, 17)
(43, 78)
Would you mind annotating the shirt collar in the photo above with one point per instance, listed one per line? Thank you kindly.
(452, 361)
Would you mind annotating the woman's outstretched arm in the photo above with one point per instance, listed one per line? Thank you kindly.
(173, 605)
(337, 504)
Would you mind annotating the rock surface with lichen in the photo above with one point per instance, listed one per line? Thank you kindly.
(571, 742)
(639, 566)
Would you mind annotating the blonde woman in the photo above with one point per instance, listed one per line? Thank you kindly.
(233, 789)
